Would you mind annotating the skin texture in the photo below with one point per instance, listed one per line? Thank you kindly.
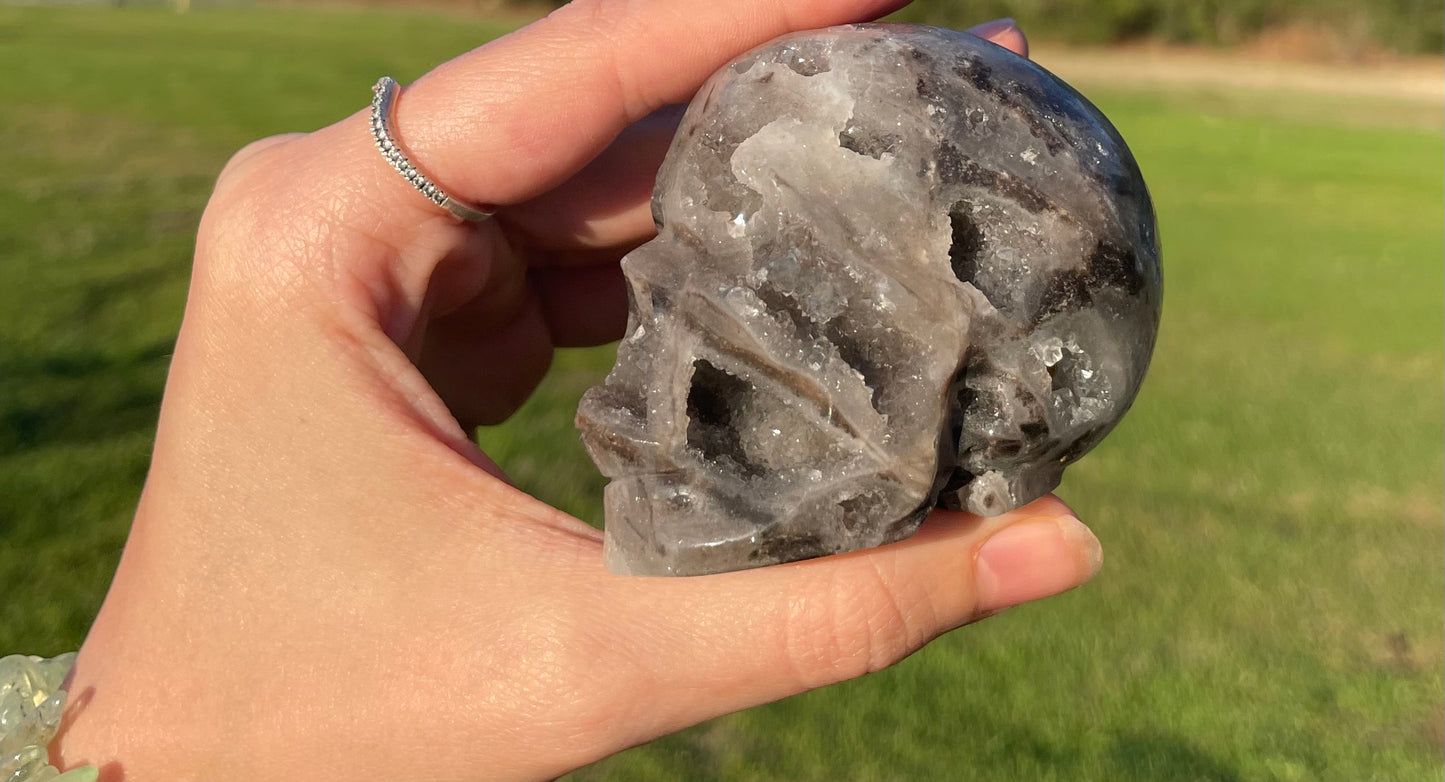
(326, 577)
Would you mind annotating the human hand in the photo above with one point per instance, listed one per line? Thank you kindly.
(327, 578)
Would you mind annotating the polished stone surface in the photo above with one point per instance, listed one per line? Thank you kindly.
(897, 268)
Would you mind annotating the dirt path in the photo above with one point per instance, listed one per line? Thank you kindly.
(1419, 80)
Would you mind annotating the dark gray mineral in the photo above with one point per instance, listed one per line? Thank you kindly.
(897, 267)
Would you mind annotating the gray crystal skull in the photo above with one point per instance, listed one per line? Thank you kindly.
(897, 267)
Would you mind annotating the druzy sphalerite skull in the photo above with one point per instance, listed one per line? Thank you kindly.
(896, 267)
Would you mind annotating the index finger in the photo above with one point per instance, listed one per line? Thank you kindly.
(605, 205)
(517, 116)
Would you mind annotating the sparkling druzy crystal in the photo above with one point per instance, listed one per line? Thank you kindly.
(31, 704)
(897, 267)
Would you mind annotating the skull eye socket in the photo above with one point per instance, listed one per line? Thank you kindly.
(715, 403)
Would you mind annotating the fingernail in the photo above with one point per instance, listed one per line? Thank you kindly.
(1035, 559)
(995, 28)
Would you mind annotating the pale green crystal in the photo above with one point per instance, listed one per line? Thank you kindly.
(31, 704)
(24, 765)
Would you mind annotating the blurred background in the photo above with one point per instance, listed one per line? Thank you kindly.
(1272, 600)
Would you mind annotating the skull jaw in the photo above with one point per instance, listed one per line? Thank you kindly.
(651, 533)
(659, 526)
(996, 491)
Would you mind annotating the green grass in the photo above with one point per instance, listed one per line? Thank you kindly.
(1271, 604)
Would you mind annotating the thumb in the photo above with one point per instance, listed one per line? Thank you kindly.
(716, 644)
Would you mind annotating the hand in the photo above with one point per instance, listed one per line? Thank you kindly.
(326, 578)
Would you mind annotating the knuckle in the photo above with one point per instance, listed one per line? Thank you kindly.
(252, 151)
(594, 14)
(597, 30)
(854, 623)
(238, 205)
(258, 224)
(580, 702)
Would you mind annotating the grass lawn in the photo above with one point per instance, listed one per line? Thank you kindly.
(1271, 603)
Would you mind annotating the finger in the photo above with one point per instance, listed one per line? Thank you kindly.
(1005, 33)
(518, 116)
(484, 366)
(579, 304)
(584, 306)
(590, 308)
(607, 202)
(245, 155)
(715, 644)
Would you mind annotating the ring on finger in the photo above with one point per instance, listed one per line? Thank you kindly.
(382, 105)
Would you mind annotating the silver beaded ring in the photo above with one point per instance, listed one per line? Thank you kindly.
(386, 90)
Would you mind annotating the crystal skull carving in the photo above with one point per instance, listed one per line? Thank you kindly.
(896, 268)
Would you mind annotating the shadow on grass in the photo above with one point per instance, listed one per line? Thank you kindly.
(1167, 758)
(718, 751)
(80, 396)
(1152, 755)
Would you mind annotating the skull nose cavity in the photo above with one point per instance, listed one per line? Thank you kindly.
(875, 145)
(966, 245)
